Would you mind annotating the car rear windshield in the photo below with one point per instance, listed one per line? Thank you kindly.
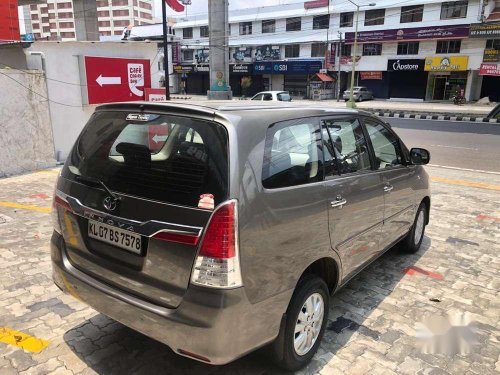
(160, 157)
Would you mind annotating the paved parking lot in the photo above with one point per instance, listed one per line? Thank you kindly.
(372, 324)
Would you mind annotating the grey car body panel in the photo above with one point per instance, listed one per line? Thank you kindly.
(281, 232)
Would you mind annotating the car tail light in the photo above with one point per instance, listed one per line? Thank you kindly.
(58, 201)
(177, 237)
(217, 264)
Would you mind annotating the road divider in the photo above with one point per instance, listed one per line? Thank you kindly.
(420, 116)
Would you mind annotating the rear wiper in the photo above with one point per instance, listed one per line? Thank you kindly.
(97, 182)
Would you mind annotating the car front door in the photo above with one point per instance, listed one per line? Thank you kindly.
(354, 192)
(399, 207)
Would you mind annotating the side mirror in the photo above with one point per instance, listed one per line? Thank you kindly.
(419, 156)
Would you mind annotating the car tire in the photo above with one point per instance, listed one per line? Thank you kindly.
(287, 350)
(413, 240)
(360, 99)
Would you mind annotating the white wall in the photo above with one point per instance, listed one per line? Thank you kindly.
(68, 113)
(25, 134)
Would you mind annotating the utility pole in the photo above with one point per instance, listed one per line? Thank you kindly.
(351, 103)
(85, 16)
(339, 54)
(165, 50)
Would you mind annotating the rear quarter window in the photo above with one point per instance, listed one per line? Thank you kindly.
(171, 159)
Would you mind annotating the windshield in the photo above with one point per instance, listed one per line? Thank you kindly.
(159, 157)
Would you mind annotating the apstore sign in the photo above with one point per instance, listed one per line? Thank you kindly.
(112, 79)
(490, 70)
(405, 65)
(446, 63)
(412, 33)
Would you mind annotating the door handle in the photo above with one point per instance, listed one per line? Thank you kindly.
(388, 188)
(338, 202)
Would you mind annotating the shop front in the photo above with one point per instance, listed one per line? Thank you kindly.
(447, 76)
(243, 81)
(491, 81)
(292, 76)
(407, 78)
(194, 78)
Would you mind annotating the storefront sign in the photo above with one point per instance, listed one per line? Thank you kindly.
(241, 68)
(485, 30)
(489, 70)
(154, 95)
(268, 52)
(446, 63)
(176, 53)
(243, 54)
(183, 68)
(405, 65)
(413, 33)
(288, 67)
(370, 75)
(201, 68)
(347, 60)
(491, 55)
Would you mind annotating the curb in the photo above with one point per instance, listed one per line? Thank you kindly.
(435, 117)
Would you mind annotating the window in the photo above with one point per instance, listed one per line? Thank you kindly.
(408, 48)
(292, 50)
(120, 13)
(493, 44)
(374, 17)
(346, 19)
(448, 46)
(188, 55)
(187, 33)
(454, 9)
(267, 97)
(372, 49)
(293, 154)
(204, 32)
(245, 28)
(385, 145)
(293, 24)
(412, 13)
(346, 150)
(258, 97)
(321, 22)
(284, 97)
(346, 50)
(268, 26)
(318, 49)
(176, 169)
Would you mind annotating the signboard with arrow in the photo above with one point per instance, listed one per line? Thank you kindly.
(112, 79)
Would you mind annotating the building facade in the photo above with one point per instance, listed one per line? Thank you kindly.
(54, 20)
(416, 50)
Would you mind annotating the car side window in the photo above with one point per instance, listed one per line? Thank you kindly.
(268, 97)
(292, 154)
(385, 144)
(257, 97)
(349, 145)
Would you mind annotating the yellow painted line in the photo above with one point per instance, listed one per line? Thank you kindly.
(25, 207)
(47, 171)
(22, 340)
(480, 185)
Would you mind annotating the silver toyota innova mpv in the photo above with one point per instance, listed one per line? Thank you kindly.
(220, 228)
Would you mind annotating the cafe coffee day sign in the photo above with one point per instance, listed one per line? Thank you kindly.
(446, 63)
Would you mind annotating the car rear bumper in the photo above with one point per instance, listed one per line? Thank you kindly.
(217, 326)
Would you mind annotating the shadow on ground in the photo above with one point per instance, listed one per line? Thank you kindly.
(109, 348)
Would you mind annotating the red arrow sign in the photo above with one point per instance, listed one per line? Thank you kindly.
(111, 79)
(412, 270)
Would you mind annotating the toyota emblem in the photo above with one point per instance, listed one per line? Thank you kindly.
(110, 203)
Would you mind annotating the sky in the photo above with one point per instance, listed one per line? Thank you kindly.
(201, 6)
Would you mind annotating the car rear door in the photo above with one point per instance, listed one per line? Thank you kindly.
(399, 197)
(354, 192)
(168, 173)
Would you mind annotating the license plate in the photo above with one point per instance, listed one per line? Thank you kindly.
(114, 236)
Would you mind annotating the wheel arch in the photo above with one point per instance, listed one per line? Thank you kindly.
(327, 268)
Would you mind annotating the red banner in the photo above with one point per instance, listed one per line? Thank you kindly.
(489, 70)
(370, 75)
(315, 4)
(9, 21)
(175, 5)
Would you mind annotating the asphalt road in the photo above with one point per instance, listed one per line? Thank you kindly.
(467, 145)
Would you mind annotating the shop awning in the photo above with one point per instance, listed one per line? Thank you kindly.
(324, 77)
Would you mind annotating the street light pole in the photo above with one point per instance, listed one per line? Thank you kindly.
(351, 103)
(165, 49)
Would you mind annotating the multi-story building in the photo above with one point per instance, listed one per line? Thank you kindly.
(416, 49)
(54, 20)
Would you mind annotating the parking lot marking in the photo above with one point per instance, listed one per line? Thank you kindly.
(487, 217)
(25, 207)
(22, 340)
(40, 195)
(480, 185)
(412, 270)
